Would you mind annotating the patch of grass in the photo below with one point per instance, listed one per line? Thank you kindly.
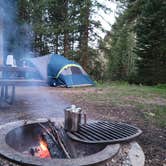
(149, 99)
(161, 86)
(160, 116)
(157, 115)
(132, 89)
(112, 83)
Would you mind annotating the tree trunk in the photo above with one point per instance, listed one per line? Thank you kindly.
(56, 44)
(66, 44)
(84, 35)
(66, 30)
(2, 61)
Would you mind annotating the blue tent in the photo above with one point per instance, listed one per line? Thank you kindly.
(62, 71)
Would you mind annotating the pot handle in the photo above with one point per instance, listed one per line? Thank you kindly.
(84, 117)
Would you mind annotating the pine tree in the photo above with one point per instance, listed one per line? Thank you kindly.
(151, 42)
(62, 26)
(121, 43)
(84, 31)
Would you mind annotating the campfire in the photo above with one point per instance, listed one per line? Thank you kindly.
(43, 151)
(30, 142)
(51, 143)
(40, 151)
(71, 143)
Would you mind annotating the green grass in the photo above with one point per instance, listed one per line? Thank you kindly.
(160, 116)
(150, 99)
(155, 114)
(135, 89)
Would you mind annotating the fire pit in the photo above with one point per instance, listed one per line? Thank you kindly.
(21, 142)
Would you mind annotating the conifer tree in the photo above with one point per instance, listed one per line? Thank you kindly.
(151, 42)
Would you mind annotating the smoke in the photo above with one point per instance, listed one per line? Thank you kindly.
(15, 37)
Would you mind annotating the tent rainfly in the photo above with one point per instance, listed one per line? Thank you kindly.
(58, 71)
(61, 71)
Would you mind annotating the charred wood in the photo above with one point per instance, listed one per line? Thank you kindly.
(53, 147)
(57, 132)
(54, 141)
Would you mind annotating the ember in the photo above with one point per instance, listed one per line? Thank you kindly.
(40, 151)
(43, 150)
(50, 145)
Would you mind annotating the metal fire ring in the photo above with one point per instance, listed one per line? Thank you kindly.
(9, 153)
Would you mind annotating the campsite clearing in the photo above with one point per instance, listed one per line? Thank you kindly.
(143, 106)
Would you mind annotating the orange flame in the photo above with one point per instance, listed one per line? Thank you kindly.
(43, 150)
(43, 145)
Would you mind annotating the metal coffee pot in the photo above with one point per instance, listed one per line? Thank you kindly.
(73, 116)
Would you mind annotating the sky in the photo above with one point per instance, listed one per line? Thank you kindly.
(106, 19)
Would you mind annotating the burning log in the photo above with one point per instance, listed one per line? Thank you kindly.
(32, 151)
(58, 135)
(53, 147)
(54, 141)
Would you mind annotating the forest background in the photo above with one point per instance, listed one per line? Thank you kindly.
(134, 49)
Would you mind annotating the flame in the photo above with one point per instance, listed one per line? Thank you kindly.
(43, 150)
(43, 145)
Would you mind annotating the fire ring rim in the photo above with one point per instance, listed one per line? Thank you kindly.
(17, 157)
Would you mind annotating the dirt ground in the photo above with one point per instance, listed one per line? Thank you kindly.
(153, 139)
(38, 102)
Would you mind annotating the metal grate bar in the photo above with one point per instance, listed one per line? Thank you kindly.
(88, 136)
(105, 132)
(94, 132)
(101, 132)
(114, 133)
(94, 137)
(118, 130)
(120, 127)
(89, 133)
(81, 136)
(102, 129)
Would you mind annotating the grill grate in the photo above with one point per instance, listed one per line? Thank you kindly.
(105, 132)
